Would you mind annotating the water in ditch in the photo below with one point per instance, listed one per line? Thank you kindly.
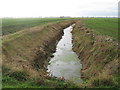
(65, 63)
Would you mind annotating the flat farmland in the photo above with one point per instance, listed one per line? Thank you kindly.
(12, 25)
(104, 26)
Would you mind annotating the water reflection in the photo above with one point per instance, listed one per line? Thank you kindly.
(65, 62)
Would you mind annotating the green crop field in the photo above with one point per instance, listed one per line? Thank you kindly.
(105, 26)
(12, 25)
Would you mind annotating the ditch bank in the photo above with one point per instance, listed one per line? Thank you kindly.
(28, 51)
(98, 55)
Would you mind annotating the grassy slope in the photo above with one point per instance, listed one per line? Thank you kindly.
(98, 56)
(105, 26)
(51, 82)
(12, 25)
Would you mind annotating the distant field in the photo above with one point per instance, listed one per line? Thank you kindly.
(12, 25)
(105, 26)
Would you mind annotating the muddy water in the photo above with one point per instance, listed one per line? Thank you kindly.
(65, 63)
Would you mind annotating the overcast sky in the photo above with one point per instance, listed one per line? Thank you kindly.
(44, 8)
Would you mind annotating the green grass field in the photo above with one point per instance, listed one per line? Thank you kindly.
(12, 25)
(104, 26)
